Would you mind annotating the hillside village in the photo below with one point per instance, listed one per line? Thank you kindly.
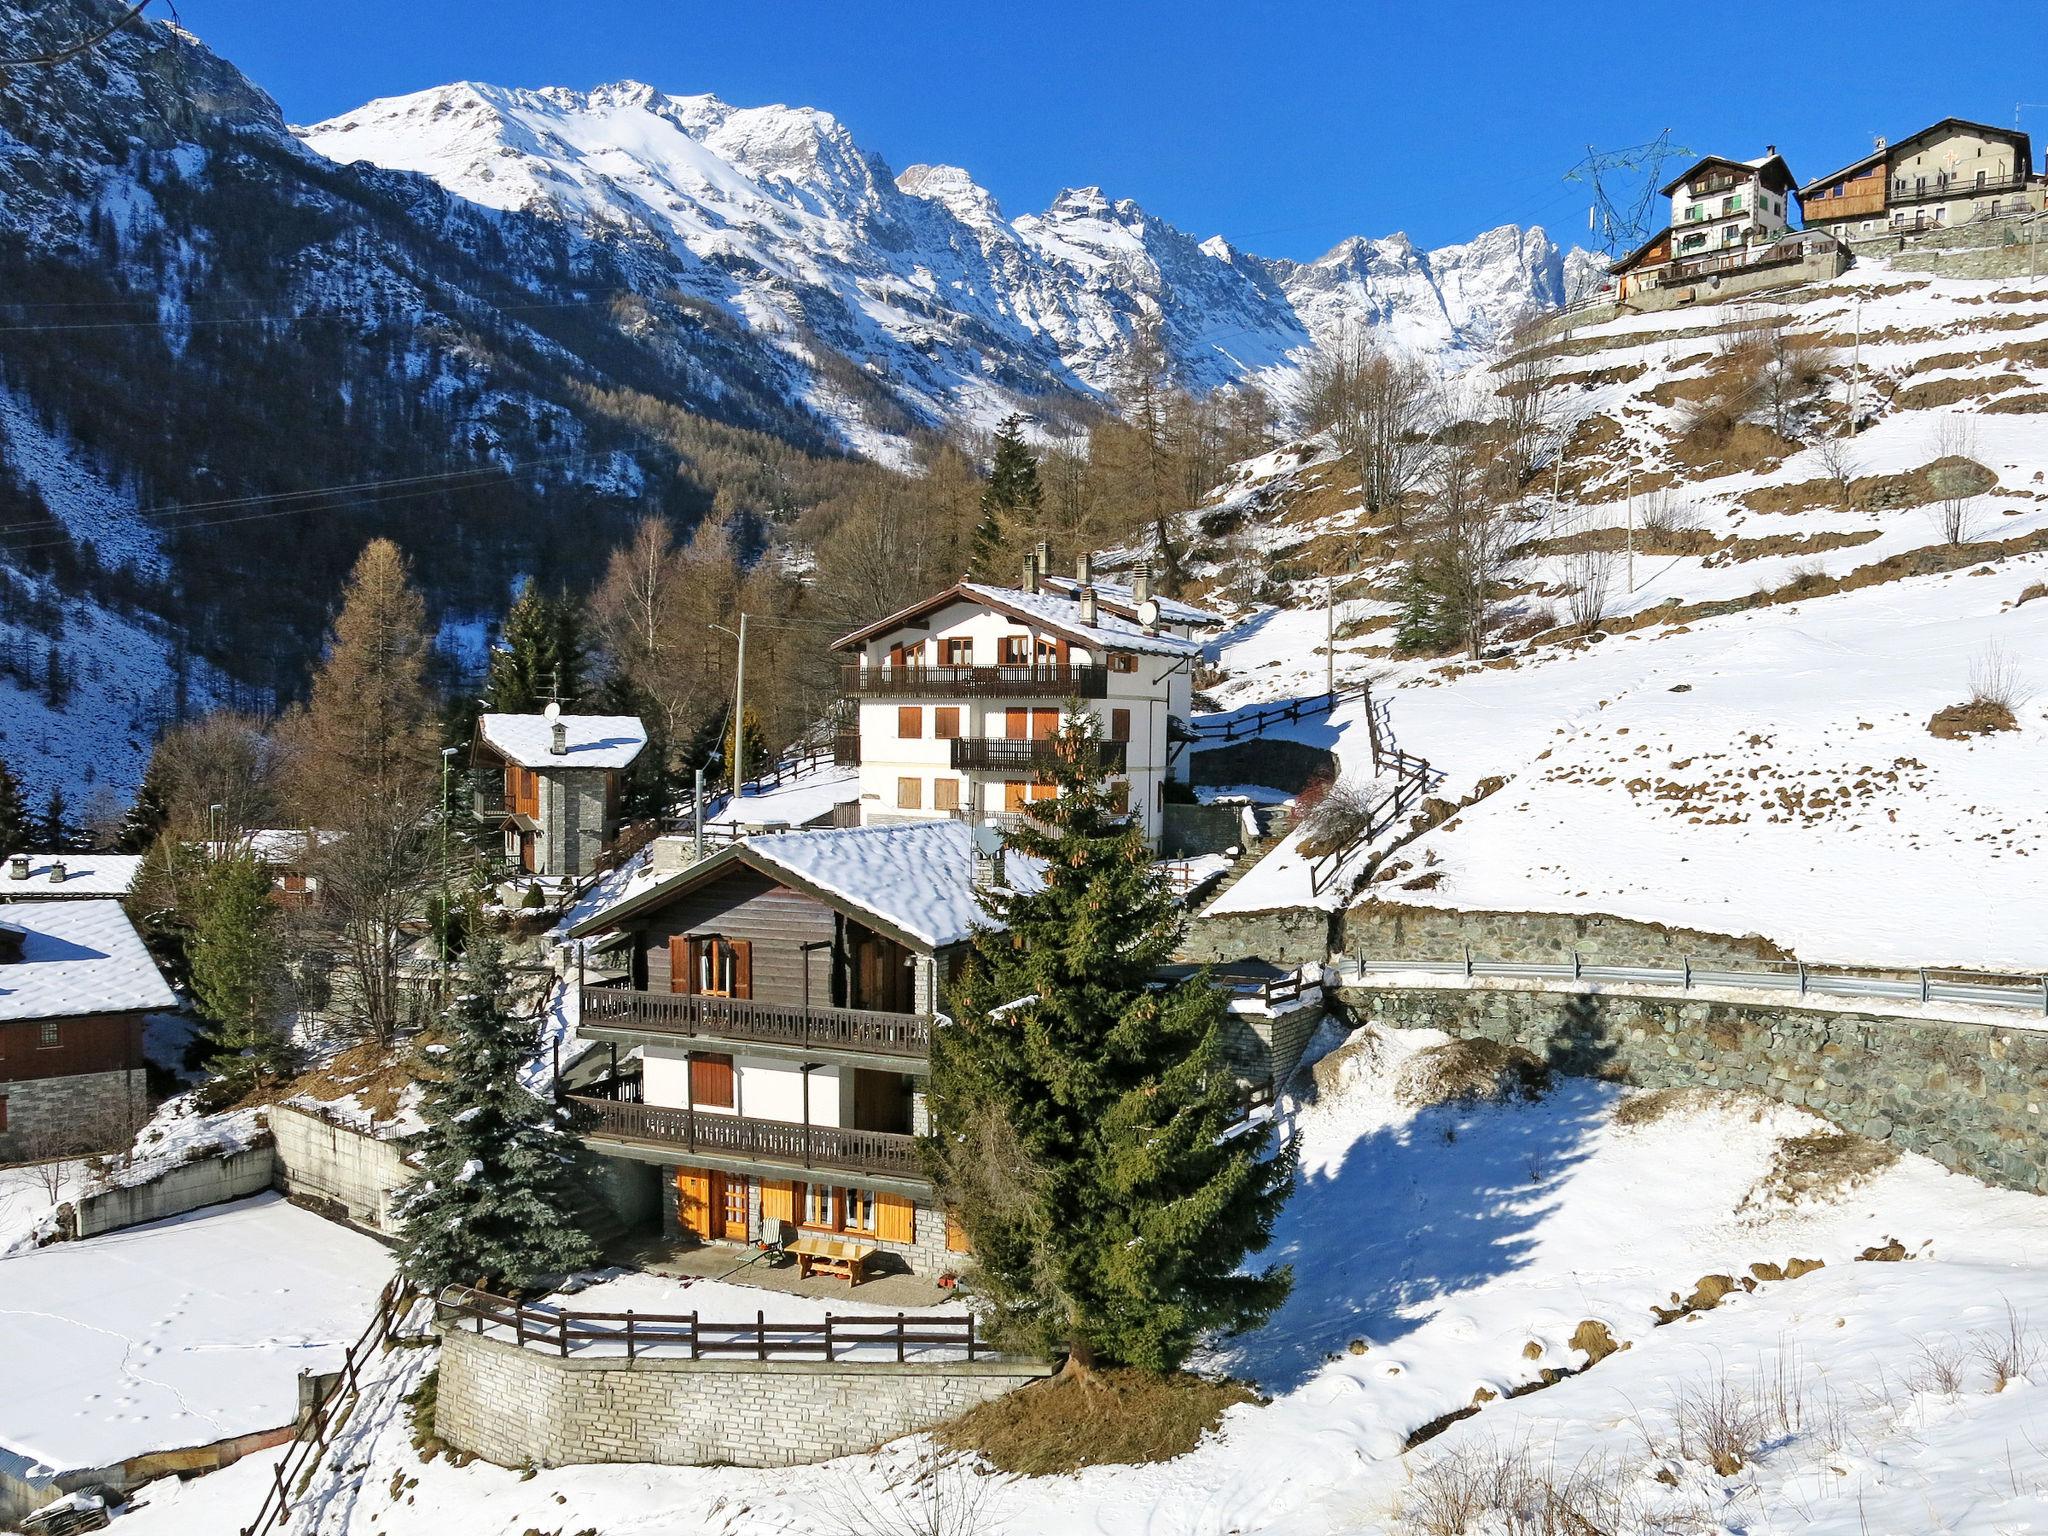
(1479, 971)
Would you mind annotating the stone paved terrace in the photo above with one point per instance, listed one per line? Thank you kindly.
(742, 1264)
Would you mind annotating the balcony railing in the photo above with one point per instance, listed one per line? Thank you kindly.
(1000, 754)
(708, 1133)
(1942, 189)
(1047, 680)
(735, 1018)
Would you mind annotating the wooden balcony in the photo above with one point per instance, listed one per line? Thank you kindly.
(997, 754)
(810, 1030)
(1044, 680)
(1944, 189)
(718, 1138)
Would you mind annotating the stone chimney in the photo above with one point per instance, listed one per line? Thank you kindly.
(988, 857)
(1044, 553)
(1085, 597)
(1141, 583)
(1030, 570)
(57, 872)
(1084, 568)
(17, 867)
(558, 744)
(1882, 144)
(1770, 151)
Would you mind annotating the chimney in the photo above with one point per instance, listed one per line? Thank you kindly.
(1770, 151)
(1030, 570)
(988, 857)
(1044, 554)
(559, 745)
(1086, 598)
(1141, 583)
(57, 872)
(1883, 143)
(1084, 568)
(17, 867)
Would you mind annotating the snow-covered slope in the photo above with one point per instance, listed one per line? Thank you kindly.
(778, 214)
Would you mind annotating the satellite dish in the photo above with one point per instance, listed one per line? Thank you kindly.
(1148, 612)
(552, 713)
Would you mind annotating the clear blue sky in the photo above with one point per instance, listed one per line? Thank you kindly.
(1283, 127)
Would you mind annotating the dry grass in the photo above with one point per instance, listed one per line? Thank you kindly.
(377, 1075)
(1641, 1109)
(1821, 1166)
(1122, 1418)
(1979, 717)
(1510, 1489)
(1471, 1072)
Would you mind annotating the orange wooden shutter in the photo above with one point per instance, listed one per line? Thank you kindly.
(682, 964)
(956, 1235)
(778, 1201)
(946, 722)
(1017, 723)
(1045, 724)
(895, 1219)
(945, 794)
(743, 968)
(711, 1083)
(909, 722)
(1013, 794)
(1119, 725)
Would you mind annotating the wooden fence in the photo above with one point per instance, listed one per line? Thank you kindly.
(874, 1337)
(1240, 727)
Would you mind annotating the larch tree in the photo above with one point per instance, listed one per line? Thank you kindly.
(489, 1205)
(1084, 1110)
(363, 763)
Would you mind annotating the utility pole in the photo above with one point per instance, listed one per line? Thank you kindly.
(738, 761)
(1629, 539)
(1855, 366)
(1330, 636)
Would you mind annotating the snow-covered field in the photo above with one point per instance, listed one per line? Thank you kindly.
(1443, 1255)
(176, 1334)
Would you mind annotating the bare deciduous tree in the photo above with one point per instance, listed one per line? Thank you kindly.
(1838, 460)
(1591, 575)
(1376, 408)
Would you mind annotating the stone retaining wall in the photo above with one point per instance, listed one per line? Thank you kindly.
(1968, 1095)
(187, 1187)
(519, 1407)
(82, 1103)
(1391, 930)
(337, 1167)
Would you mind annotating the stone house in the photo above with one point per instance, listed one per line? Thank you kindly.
(1952, 172)
(552, 783)
(75, 986)
(957, 697)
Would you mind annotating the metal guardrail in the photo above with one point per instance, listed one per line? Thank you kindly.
(632, 1334)
(1801, 980)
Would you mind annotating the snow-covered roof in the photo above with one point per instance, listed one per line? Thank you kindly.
(78, 957)
(1122, 597)
(85, 874)
(1058, 611)
(594, 741)
(914, 877)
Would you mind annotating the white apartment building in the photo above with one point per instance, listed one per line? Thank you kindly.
(958, 696)
(1723, 205)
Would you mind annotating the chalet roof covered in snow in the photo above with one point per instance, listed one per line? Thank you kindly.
(594, 741)
(914, 879)
(77, 957)
(1054, 611)
(85, 874)
(1124, 600)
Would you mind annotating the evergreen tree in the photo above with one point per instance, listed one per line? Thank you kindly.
(236, 959)
(1082, 1109)
(14, 816)
(146, 818)
(55, 831)
(542, 657)
(1011, 503)
(489, 1204)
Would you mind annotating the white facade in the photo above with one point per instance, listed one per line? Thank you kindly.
(910, 766)
(764, 1088)
(1725, 206)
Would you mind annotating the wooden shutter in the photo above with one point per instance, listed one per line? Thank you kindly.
(682, 964)
(945, 794)
(742, 967)
(946, 722)
(910, 794)
(956, 1235)
(693, 1201)
(711, 1083)
(895, 1219)
(1013, 794)
(778, 1201)
(1045, 724)
(909, 722)
(896, 657)
(1119, 725)
(1017, 723)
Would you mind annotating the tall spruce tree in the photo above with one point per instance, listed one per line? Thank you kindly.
(146, 818)
(56, 831)
(489, 1204)
(14, 814)
(542, 657)
(1081, 1109)
(236, 957)
(1012, 503)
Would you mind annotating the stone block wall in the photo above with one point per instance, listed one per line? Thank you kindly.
(1390, 930)
(1264, 1048)
(1968, 1095)
(1288, 936)
(80, 1102)
(572, 819)
(187, 1187)
(355, 1173)
(519, 1407)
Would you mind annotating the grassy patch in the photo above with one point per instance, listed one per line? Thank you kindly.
(1822, 1165)
(1979, 717)
(1122, 1418)
(1471, 1072)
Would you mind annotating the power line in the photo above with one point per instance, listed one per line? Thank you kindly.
(74, 49)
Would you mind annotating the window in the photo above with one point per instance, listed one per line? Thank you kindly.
(820, 1208)
(957, 653)
(910, 794)
(909, 722)
(1122, 661)
(1119, 725)
(857, 1210)
(1046, 649)
(719, 967)
(49, 1039)
(946, 722)
(945, 794)
(1016, 650)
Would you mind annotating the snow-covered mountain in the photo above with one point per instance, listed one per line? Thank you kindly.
(920, 280)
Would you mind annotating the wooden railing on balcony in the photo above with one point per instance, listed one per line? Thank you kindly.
(737, 1018)
(1942, 189)
(697, 1132)
(1000, 754)
(1051, 679)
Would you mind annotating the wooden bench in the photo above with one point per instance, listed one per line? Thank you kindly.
(833, 1256)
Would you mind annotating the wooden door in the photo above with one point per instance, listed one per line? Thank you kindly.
(732, 1207)
(693, 1201)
